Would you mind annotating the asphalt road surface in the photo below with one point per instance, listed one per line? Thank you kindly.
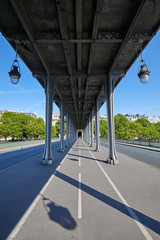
(80, 197)
(9, 159)
(144, 155)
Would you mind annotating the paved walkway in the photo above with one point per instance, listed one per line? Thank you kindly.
(80, 197)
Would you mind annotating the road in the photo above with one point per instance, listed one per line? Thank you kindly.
(144, 155)
(80, 197)
(9, 159)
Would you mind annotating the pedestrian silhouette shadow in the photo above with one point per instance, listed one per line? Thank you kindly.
(59, 214)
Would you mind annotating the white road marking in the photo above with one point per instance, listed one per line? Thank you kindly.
(129, 209)
(24, 218)
(79, 199)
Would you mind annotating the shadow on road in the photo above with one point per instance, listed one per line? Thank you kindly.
(59, 214)
(91, 158)
(142, 218)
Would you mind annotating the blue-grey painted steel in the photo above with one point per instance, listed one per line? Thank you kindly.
(92, 128)
(49, 90)
(112, 158)
(97, 125)
(67, 129)
(61, 128)
(89, 136)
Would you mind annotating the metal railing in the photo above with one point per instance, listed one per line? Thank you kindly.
(140, 142)
(10, 144)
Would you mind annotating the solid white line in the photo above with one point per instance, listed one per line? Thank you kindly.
(79, 199)
(129, 209)
(20, 224)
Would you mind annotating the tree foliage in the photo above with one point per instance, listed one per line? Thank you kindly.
(122, 127)
(141, 129)
(58, 126)
(103, 128)
(20, 126)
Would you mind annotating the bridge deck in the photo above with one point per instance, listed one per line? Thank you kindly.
(80, 197)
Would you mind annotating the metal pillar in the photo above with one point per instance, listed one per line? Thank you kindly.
(112, 158)
(92, 128)
(89, 136)
(87, 132)
(97, 125)
(71, 132)
(49, 91)
(67, 130)
(61, 128)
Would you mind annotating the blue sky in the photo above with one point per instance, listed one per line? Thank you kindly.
(131, 96)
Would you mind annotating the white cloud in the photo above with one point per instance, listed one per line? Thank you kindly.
(21, 91)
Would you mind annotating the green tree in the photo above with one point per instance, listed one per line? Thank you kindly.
(122, 127)
(149, 131)
(4, 131)
(12, 125)
(145, 123)
(57, 126)
(54, 132)
(135, 130)
(157, 127)
(103, 128)
(35, 128)
(20, 126)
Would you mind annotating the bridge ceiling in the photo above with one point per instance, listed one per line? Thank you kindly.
(79, 43)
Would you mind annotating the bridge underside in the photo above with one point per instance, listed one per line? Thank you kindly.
(80, 49)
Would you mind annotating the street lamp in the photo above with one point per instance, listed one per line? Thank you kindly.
(15, 71)
(143, 72)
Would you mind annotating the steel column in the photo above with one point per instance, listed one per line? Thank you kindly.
(97, 125)
(49, 91)
(67, 129)
(112, 158)
(89, 132)
(61, 128)
(92, 128)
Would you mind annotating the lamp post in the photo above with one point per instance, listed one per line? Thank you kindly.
(15, 71)
(143, 72)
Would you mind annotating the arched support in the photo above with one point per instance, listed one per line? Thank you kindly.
(49, 91)
(109, 90)
(97, 126)
(62, 149)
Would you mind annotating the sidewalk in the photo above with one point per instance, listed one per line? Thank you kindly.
(80, 198)
(156, 149)
(9, 149)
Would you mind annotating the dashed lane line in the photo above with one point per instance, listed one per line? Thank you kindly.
(79, 198)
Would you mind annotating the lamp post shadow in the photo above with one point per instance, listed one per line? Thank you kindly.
(59, 214)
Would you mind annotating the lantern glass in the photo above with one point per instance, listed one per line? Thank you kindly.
(144, 73)
(144, 78)
(14, 79)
